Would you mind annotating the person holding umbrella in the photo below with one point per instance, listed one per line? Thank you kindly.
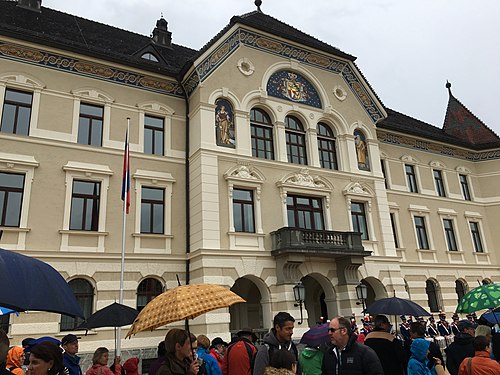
(179, 358)
(4, 348)
(100, 363)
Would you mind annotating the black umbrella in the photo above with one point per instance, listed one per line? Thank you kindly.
(30, 284)
(114, 315)
(396, 306)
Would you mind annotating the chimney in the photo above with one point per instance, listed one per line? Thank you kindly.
(161, 35)
(34, 5)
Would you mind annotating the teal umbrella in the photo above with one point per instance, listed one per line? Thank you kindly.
(481, 298)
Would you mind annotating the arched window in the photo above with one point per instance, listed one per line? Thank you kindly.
(486, 281)
(326, 147)
(84, 293)
(431, 288)
(147, 290)
(295, 141)
(261, 130)
(149, 56)
(460, 288)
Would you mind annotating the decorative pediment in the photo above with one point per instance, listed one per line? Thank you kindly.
(155, 107)
(305, 180)
(437, 164)
(93, 94)
(409, 159)
(22, 79)
(244, 172)
(358, 189)
(463, 170)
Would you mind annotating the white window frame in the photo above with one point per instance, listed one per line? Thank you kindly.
(394, 209)
(424, 212)
(85, 172)
(153, 179)
(439, 166)
(20, 164)
(360, 193)
(450, 214)
(98, 98)
(476, 217)
(461, 170)
(246, 177)
(302, 183)
(410, 160)
(23, 82)
(155, 109)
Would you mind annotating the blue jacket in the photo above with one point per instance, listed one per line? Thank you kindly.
(72, 363)
(417, 365)
(211, 364)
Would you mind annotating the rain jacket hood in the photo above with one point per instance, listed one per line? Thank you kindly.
(311, 353)
(419, 349)
(14, 357)
(131, 366)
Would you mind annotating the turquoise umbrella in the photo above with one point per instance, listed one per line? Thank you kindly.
(481, 298)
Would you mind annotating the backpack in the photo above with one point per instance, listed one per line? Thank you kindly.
(250, 352)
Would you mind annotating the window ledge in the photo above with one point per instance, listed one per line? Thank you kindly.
(83, 232)
(454, 252)
(15, 229)
(426, 250)
(481, 253)
(152, 235)
(246, 234)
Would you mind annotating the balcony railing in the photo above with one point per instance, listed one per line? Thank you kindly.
(316, 242)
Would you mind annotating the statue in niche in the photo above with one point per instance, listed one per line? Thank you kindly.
(224, 125)
(361, 150)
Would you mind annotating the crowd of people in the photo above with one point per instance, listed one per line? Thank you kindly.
(373, 349)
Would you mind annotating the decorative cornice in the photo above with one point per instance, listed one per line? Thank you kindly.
(435, 147)
(267, 44)
(88, 68)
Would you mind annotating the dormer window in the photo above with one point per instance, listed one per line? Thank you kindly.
(149, 56)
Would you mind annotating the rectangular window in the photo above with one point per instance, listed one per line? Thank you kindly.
(153, 135)
(465, 187)
(382, 165)
(305, 212)
(438, 179)
(16, 112)
(85, 201)
(358, 217)
(411, 178)
(90, 125)
(423, 241)
(11, 198)
(394, 233)
(152, 210)
(243, 212)
(450, 235)
(476, 237)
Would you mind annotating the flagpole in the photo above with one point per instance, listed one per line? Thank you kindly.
(126, 171)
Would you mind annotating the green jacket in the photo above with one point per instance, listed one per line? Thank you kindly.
(310, 360)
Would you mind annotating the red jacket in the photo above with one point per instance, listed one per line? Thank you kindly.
(236, 361)
(481, 364)
(217, 356)
(98, 369)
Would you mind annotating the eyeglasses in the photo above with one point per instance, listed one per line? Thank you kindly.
(333, 330)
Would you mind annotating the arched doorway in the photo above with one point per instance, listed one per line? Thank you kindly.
(255, 313)
(320, 299)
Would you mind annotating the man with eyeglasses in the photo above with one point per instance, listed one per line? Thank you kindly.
(344, 355)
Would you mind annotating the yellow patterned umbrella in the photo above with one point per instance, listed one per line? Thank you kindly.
(182, 303)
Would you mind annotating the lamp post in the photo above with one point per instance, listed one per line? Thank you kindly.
(299, 293)
(362, 294)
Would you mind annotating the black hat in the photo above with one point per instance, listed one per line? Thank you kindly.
(465, 323)
(247, 332)
(69, 339)
(403, 318)
(218, 341)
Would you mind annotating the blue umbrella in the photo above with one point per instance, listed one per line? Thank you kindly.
(30, 284)
(316, 336)
(492, 316)
(6, 311)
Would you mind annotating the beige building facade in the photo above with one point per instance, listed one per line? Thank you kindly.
(303, 176)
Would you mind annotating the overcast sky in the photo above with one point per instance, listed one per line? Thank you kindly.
(406, 49)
